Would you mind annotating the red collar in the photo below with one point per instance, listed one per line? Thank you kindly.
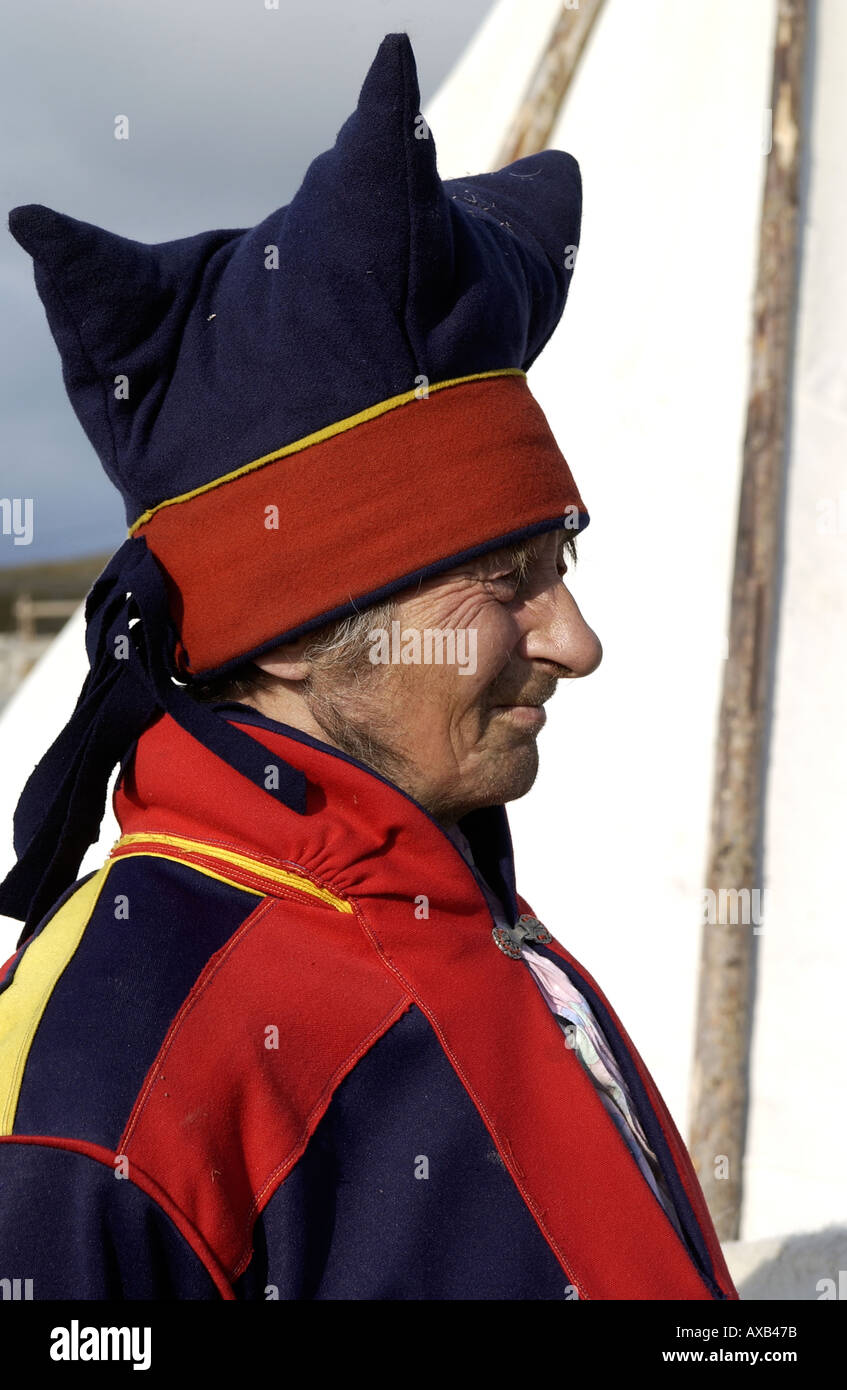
(174, 785)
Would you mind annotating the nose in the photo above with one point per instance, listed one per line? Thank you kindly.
(557, 632)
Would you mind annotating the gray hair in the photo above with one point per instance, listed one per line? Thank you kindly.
(339, 645)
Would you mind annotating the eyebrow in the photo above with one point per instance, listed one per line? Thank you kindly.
(520, 554)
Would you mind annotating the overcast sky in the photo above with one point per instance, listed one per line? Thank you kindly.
(228, 103)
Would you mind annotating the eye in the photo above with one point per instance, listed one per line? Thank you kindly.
(511, 578)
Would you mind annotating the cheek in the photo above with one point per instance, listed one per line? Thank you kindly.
(490, 641)
(497, 636)
(486, 635)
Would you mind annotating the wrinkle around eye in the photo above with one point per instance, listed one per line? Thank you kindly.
(510, 581)
(516, 583)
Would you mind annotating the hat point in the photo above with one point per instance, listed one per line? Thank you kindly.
(394, 59)
(28, 222)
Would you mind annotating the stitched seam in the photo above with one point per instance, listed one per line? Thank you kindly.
(654, 1100)
(198, 1245)
(315, 1113)
(236, 878)
(266, 861)
(181, 855)
(196, 994)
(419, 365)
(236, 846)
(269, 888)
(516, 1171)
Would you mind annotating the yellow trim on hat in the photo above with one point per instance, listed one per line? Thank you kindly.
(327, 432)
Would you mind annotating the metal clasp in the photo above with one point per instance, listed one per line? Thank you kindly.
(527, 928)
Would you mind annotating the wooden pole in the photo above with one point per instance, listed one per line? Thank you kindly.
(536, 116)
(720, 1082)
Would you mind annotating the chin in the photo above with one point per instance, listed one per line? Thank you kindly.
(513, 774)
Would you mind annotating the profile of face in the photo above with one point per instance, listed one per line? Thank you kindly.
(448, 702)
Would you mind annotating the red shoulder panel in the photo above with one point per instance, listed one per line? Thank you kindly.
(279, 1016)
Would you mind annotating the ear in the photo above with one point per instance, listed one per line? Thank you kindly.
(286, 662)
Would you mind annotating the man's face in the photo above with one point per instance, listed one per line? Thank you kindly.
(458, 733)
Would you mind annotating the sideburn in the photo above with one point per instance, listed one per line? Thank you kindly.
(329, 702)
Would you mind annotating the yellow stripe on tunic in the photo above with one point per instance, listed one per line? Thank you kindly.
(38, 971)
(172, 844)
(43, 962)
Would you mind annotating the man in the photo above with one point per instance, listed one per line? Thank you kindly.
(300, 1037)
